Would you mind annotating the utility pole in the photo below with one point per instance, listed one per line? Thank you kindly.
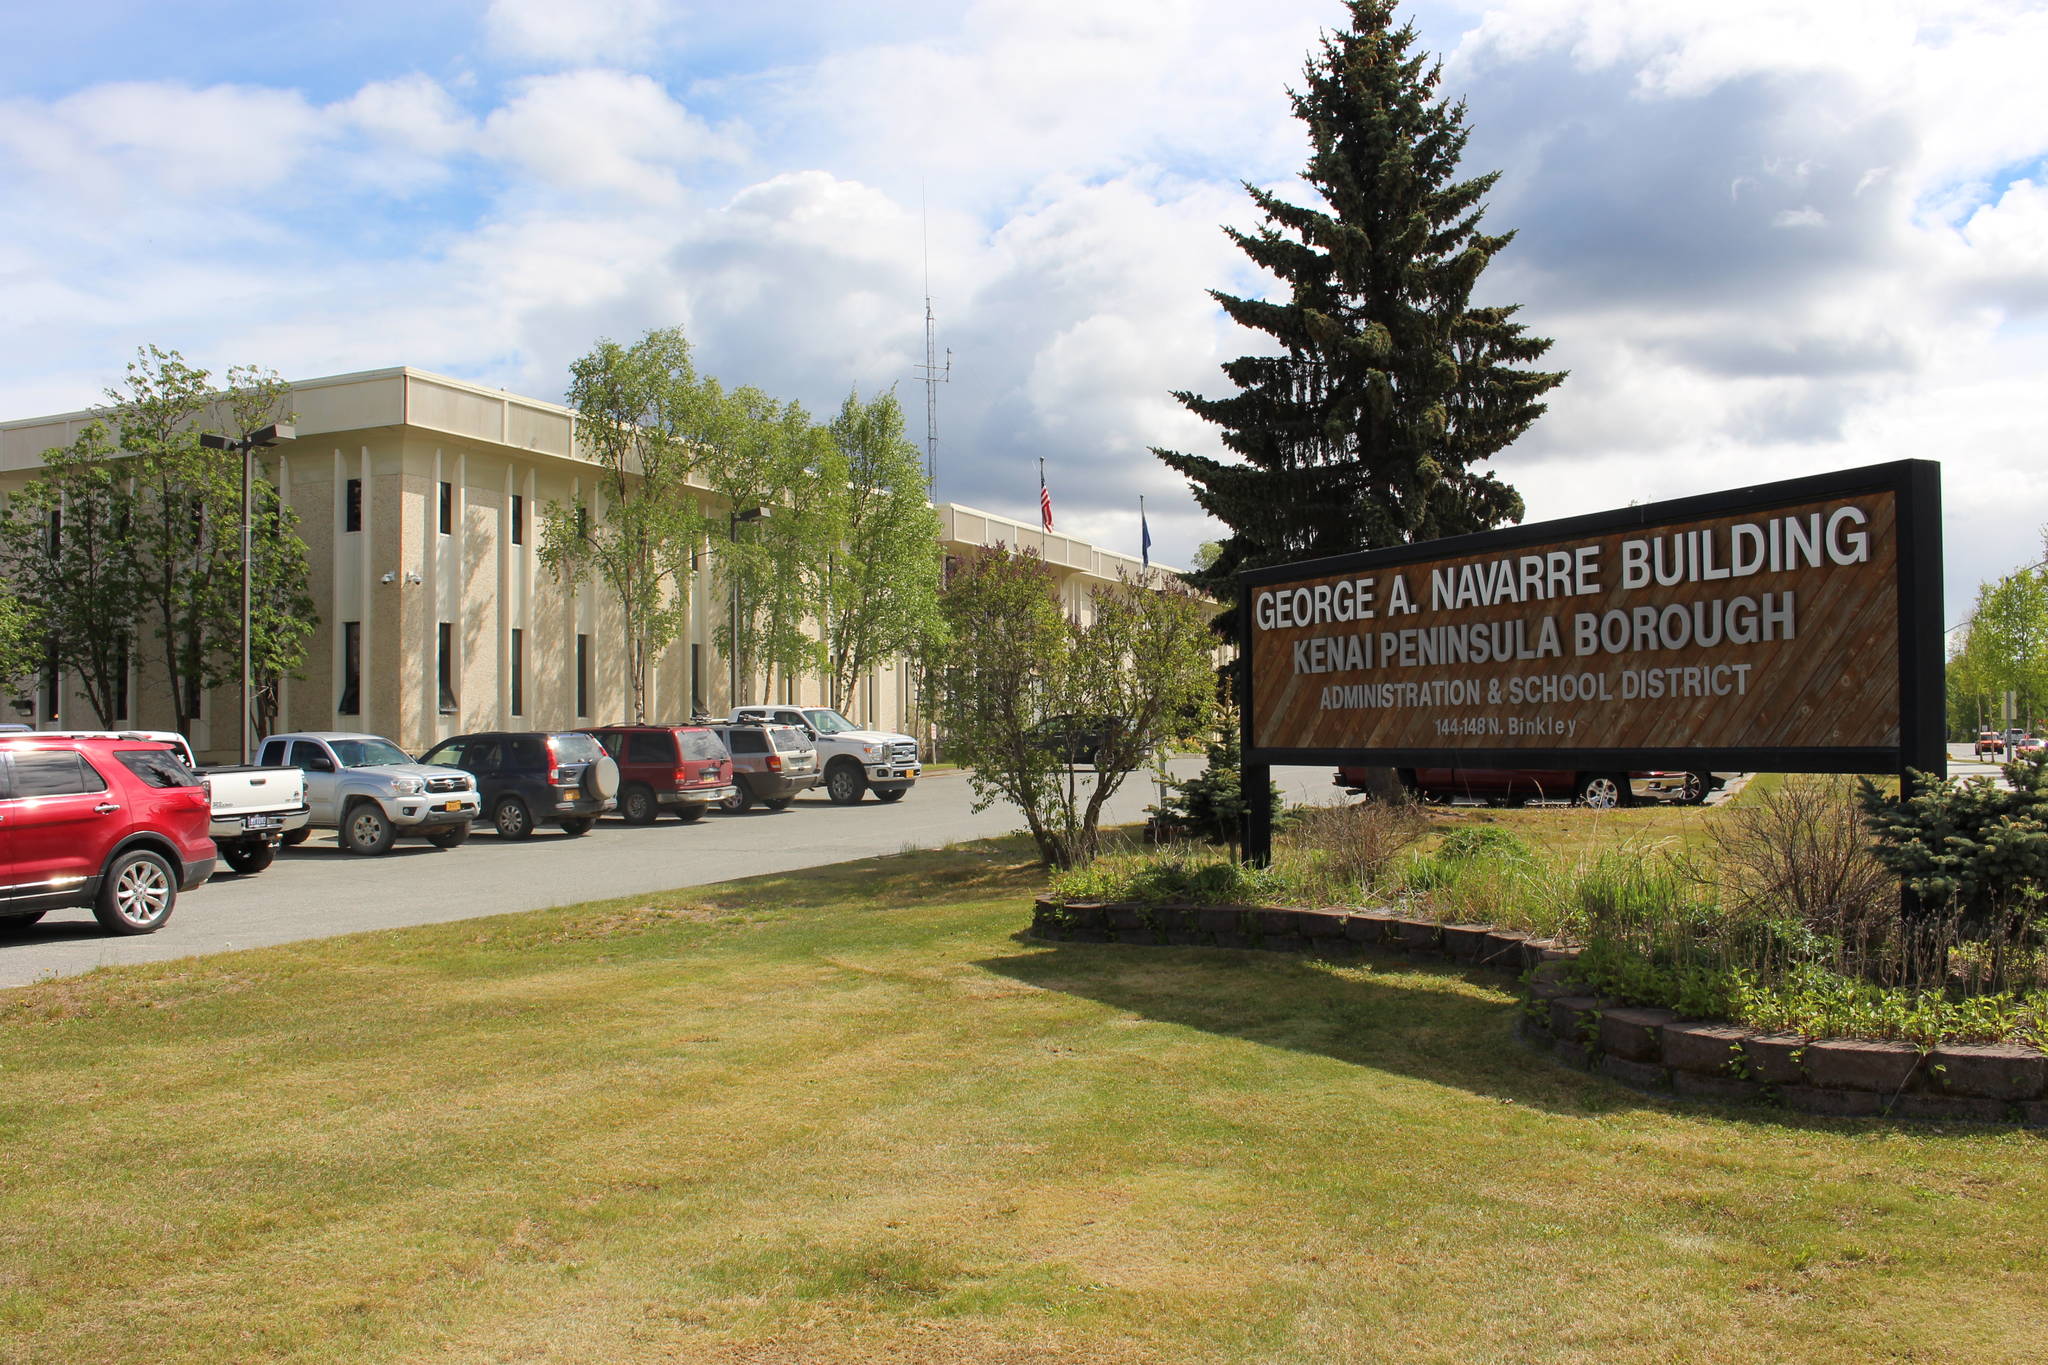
(246, 445)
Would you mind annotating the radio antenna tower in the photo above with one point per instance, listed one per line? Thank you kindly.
(933, 374)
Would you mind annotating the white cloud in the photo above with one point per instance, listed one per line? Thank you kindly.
(597, 130)
(559, 33)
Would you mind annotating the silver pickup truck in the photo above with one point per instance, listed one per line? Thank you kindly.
(253, 807)
(370, 791)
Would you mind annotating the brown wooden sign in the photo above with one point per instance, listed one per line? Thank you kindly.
(1789, 626)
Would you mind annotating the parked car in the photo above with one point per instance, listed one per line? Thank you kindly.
(1990, 742)
(1510, 786)
(371, 791)
(772, 764)
(115, 824)
(524, 777)
(253, 806)
(682, 768)
(2026, 744)
(1078, 739)
(855, 760)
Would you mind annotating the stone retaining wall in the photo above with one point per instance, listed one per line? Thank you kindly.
(1648, 1049)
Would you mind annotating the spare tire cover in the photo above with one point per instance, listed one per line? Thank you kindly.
(601, 778)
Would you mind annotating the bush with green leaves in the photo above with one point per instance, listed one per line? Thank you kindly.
(1968, 849)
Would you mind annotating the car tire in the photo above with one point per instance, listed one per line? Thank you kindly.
(1695, 788)
(450, 836)
(137, 894)
(779, 803)
(690, 815)
(637, 805)
(513, 819)
(365, 829)
(741, 800)
(249, 859)
(292, 838)
(601, 779)
(1602, 791)
(845, 783)
(578, 825)
(896, 795)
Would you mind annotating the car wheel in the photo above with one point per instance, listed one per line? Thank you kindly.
(449, 836)
(578, 825)
(249, 859)
(1602, 791)
(601, 779)
(689, 815)
(366, 829)
(292, 838)
(844, 783)
(1695, 788)
(742, 798)
(512, 818)
(896, 795)
(779, 803)
(637, 805)
(138, 894)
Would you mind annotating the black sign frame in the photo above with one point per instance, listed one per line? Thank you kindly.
(1916, 486)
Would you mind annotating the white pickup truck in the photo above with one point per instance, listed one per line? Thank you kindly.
(854, 760)
(253, 807)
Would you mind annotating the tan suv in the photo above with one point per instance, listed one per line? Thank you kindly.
(771, 764)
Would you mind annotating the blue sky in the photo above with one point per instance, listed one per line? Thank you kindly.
(1768, 240)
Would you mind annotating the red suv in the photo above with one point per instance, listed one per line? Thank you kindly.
(682, 767)
(116, 824)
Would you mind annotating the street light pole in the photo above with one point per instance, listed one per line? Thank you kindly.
(246, 445)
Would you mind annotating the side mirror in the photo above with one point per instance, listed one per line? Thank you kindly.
(319, 763)
(809, 733)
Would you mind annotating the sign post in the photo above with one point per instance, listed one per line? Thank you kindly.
(1785, 627)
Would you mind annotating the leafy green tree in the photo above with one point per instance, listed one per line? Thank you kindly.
(186, 527)
(64, 547)
(1010, 658)
(1390, 389)
(2005, 647)
(648, 422)
(882, 578)
(1211, 803)
(21, 637)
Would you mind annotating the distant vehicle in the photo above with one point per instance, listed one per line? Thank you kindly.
(116, 824)
(772, 764)
(525, 777)
(371, 792)
(2026, 744)
(1078, 739)
(1990, 742)
(681, 768)
(1517, 786)
(856, 760)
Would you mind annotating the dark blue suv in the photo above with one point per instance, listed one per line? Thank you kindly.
(527, 778)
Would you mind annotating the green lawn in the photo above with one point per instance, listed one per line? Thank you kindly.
(849, 1116)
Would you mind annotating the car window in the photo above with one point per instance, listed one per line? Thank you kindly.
(482, 756)
(649, 748)
(702, 746)
(447, 755)
(157, 768)
(575, 748)
(307, 755)
(273, 753)
(524, 753)
(824, 720)
(47, 772)
(367, 753)
(747, 742)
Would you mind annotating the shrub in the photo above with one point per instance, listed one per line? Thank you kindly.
(1210, 804)
(1349, 851)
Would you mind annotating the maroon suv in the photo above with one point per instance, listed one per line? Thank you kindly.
(683, 768)
(116, 824)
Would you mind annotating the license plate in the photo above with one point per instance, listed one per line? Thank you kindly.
(451, 805)
(262, 822)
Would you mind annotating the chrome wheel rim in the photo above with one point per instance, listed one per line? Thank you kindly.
(363, 830)
(142, 892)
(512, 819)
(1601, 794)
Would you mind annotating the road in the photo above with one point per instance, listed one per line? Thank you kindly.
(315, 890)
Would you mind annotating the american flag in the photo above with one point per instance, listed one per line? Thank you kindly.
(1044, 498)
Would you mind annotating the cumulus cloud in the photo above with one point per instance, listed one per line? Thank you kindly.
(552, 33)
(600, 130)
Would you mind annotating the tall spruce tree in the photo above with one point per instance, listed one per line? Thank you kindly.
(1391, 390)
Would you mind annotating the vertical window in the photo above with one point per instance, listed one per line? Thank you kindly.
(56, 531)
(518, 519)
(444, 664)
(120, 680)
(696, 679)
(518, 671)
(352, 506)
(53, 677)
(351, 668)
(582, 522)
(582, 675)
(447, 509)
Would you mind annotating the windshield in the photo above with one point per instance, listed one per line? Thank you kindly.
(828, 722)
(366, 753)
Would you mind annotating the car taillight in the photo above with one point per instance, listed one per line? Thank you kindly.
(554, 765)
(775, 763)
(684, 777)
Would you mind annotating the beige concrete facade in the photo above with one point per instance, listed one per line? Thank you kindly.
(398, 580)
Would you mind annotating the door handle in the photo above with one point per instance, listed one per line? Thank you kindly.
(105, 808)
